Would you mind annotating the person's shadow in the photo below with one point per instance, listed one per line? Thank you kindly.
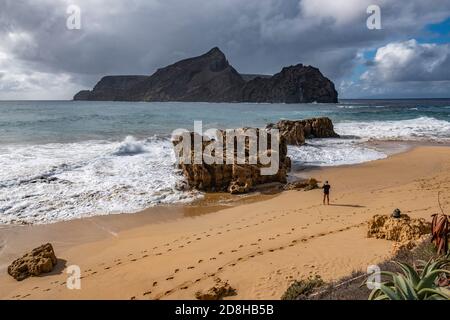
(347, 205)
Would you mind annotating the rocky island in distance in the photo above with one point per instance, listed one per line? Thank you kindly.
(210, 78)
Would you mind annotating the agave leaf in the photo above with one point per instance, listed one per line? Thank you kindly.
(400, 286)
(433, 292)
(435, 297)
(409, 289)
(430, 277)
(375, 294)
(425, 268)
(409, 271)
(390, 293)
(382, 297)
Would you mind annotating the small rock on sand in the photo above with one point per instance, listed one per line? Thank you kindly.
(39, 260)
(220, 290)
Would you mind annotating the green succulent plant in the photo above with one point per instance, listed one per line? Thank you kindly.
(412, 284)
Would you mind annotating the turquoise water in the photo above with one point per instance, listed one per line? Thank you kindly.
(72, 121)
(62, 160)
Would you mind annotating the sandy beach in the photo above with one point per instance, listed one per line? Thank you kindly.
(259, 246)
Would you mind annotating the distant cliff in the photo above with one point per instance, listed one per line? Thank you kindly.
(210, 78)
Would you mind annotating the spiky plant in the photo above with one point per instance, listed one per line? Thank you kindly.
(412, 284)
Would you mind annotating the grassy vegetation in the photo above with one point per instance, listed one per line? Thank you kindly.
(414, 283)
(353, 286)
(299, 290)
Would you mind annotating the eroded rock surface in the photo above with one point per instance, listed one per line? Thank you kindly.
(233, 177)
(220, 290)
(405, 231)
(296, 131)
(39, 260)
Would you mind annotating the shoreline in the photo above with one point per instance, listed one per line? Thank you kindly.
(322, 238)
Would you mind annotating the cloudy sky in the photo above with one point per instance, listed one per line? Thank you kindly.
(40, 58)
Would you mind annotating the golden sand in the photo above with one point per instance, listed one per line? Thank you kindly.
(258, 247)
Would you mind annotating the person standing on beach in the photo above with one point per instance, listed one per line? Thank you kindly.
(326, 192)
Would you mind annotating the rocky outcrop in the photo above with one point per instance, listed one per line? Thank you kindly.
(404, 231)
(39, 260)
(296, 131)
(295, 84)
(231, 176)
(210, 78)
(111, 88)
(302, 184)
(220, 290)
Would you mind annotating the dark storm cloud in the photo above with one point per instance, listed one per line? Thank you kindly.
(138, 36)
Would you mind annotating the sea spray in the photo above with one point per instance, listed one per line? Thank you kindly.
(53, 182)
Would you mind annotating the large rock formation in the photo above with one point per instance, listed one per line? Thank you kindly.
(407, 232)
(210, 78)
(296, 131)
(232, 177)
(39, 260)
(111, 88)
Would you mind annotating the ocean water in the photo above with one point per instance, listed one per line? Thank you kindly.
(62, 160)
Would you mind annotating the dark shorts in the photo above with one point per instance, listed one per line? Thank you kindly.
(327, 193)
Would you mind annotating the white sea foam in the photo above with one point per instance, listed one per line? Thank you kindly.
(423, 128)
(332, 152)
(53, 182)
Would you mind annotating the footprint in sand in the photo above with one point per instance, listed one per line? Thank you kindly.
(155, 283)
(200, 261)
(212, 258)
(147, 293)
(191, 267)
(169, 278)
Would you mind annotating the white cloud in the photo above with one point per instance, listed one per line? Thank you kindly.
(138, 36)
(340, 11)
(410, 61)
(18, 81)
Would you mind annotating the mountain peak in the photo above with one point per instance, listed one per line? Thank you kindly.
(214, 51)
